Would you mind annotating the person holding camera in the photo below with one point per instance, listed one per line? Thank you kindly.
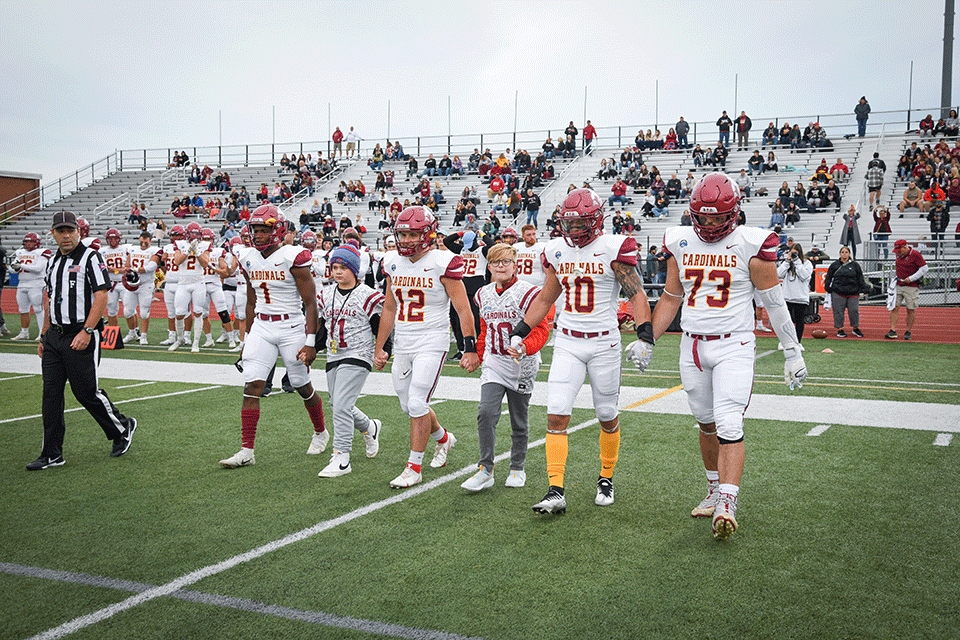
(794, 273)
(844, 282)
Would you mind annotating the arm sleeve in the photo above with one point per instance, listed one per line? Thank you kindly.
(481, 339)
(538, 335)
(322, 332)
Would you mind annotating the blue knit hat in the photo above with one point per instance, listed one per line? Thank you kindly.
(348, 256)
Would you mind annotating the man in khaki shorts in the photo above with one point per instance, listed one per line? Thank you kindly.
(911, 267)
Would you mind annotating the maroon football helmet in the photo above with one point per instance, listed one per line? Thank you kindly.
(113, 238)
(207, 235)
(31, 241)
(84, 227)
(581, 217)
(267, 215)
(309, 240)
(419, 219)
(177, 232)
(715, 195)
(510, 232)
(194, 231)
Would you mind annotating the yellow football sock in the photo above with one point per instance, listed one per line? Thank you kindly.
(609, 452)
(556, 458)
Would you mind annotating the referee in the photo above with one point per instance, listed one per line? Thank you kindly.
(77, 285)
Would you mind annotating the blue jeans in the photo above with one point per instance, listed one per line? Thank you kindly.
(725, 138)
(620, 199)
(881, 239)
(532, 217)
(861, 128)
(682, 141)
(660, 212)
(428, 172)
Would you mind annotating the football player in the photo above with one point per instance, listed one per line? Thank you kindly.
(421, 284)
(138, 280)
(349, 312)
(171, 271)
(91, 241)
(529, 263)
(502, 305)
(191, 291)
(115, 257)
(589, 270)
(281, 320)
(235, 291)
(31, 262)
(213, 271)
(713, 269)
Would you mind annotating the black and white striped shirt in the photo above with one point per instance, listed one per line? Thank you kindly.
(71, 282)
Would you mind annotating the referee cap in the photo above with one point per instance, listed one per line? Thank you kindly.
(348, 256)
(64, 219)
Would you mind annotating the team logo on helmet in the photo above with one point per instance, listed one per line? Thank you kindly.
(417, 219)
(581, 217)
(715, 200)
(268, 215)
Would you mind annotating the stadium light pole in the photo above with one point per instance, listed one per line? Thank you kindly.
(946, 86)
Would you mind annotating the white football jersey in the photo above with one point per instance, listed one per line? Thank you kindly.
(500, 313)
(116, 261)
(140, 257)
(423, 306)
(321, 269)
(347, 317)
(529, 263)
(474, 263)
(588, 302)
(33, 266)
(171, 269)
(272, 279)
(191, 270)
(718, 291)
(209, 276)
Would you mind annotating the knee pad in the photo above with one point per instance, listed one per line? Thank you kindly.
(417, 407)
(729, 428)
(225, 316)
(607, 413)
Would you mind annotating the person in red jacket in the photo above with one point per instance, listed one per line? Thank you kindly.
(619, 192)
(496, 187)
(589, 133)
(337, 143)
(839, 171)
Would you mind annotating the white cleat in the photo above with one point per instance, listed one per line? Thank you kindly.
(408, 478)
(23, 335)
(372, 438)
(318, 443)
(707, 505)
(176, 344)
(208, 343)
(238, 348)
(516, 479)
(553, 502)
(339, 466)
(143, 339)
(222, 338)
(130, 337)
(725, 517)
(196, 347)
(479, 481)
(440, 453)
(168, 341)
(233, 343)
(604, 492)
(242, 458)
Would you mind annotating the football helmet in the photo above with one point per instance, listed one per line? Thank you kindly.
(207, 235)
(309, 240)
(268, 215)
(418, 219)
(511, 233)
(177, 232)
(715, 196)
(194, 231)
(131, 280)
(113, 238)
(84, 227)
(246, 236)
(31, 241)
(581, 217)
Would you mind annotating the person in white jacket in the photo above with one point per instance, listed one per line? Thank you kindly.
(794, 273)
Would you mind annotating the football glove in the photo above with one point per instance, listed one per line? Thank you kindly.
(640, 353)
(794, 369)
(15, 266)
(193, 246)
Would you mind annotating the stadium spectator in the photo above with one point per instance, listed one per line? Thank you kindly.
(862, 111)
(571, 133)
(533, 207)
(875, 180)
(839, 171)
(850, 235)
(720, 153)
(683, 129)
(674, 187)
(934, 193)
(619, 190)
(699, 157)
(771, 163)
(352, 139)
(939, 219)
(743, 183)
(743, 125)
(337, 143)
(589, 133)
(776, 215)
(926, 127)
(456, 167)
(723, 124)
(881, 229)
(769, 136)
(951, 125)
(661, 205)
(443, 167)
(670, 143)
(913, 198)
(831, 196)
(844, 282)
(755, 163)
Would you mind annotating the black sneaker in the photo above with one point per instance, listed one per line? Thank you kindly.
(906, 335)
(604, 492)
(890, 335)
(285, 384)
(43, 462)
(553, 502)
(857, 332)
(266, 391)
(841, 333)
(121, 444)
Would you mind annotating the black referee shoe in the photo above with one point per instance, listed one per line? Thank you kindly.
(43, 462)
(121, 444)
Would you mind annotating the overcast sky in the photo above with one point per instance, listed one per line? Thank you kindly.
(83, 79)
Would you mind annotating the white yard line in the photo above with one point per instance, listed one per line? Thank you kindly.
(139, 384)
(31, 375)
(943, 439)
(817, 430)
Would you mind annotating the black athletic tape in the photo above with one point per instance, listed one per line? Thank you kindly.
(522, 329)
(469, 344)
(645, 332)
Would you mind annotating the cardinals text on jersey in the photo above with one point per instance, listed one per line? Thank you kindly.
(500, 313)
(348, 321)
(272, 280)
(423, 306)
(33, 265)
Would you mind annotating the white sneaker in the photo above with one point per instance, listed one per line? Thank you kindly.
(143, 339)
(130, 337)
(707, 505)
(339, 465)
(222, 338)
(372, 440)
(23, 335)
(176, 344)
(516, 479)
(318, 443)
(208, 342)
(242, 458)
(479, 481)
(440, 453)
(233, 343)
(408, 478)
(196, 347)
(238, 348)
(725, 516)
(170, 340)
(604, 492)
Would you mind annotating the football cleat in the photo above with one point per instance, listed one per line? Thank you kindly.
(143, 339)
(408, 478)
(604, 492)
(233, 343)
(130, 337)
(176, 344)
(318, 443)
(516, 479)
(553, 502)
(208, 342)
(372, 438)
(479, 481)
(196, 347)
(23, 335)
(238, 348)
(222, 338)
(725, 516)
(242, 458)
(706, 506)
(170, 340)
(440, 453)
(339, 465)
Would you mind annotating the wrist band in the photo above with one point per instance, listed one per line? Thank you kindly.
(645, 332)
(311, 341)
(522, 329)
(469, 344)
